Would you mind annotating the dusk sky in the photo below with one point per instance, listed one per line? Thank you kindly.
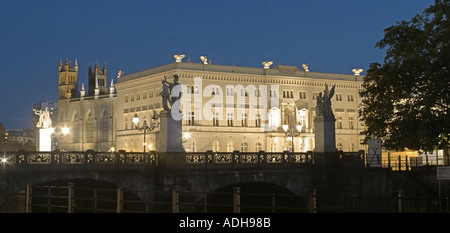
(330, 36)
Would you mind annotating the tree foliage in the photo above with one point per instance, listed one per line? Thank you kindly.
(2, 133)
(405, 100)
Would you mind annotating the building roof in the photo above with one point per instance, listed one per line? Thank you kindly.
(279, 70)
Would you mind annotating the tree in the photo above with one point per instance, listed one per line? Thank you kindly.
(405, 100)
(3, 136)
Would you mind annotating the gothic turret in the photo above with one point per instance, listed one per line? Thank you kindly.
(97, 80)
(67, 80)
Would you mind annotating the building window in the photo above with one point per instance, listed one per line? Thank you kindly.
(230, 91)
(244, 92)
(244, 147)
(230, 119)
(350, 98)
(258, 120)
(191, 118)
(244, 120)
(350, 122)
(215, 119)
(126, 98)
(144, 95)
(339, 146)
(132, 97)
(273, 93)
(215, 146)
(138, 96)
(302, 95)
(258, 147)
(338, 122)
(257, 93)
(350, 147)
(230, 147)
(338, 97)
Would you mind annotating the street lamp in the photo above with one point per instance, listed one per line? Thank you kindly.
(56, 134)
(145, 127)
(292, 132)
(186, 136)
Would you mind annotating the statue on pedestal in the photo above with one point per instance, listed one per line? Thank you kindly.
(167, 90)
(45, 121)
(323, 107)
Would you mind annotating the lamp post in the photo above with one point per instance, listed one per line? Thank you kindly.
(145, 127)
(292, 132)
(3, 160)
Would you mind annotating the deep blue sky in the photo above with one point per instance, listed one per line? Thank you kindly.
(329, 35)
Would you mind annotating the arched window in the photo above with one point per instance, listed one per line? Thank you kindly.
(258, 147)
(230, 147)
(244, 147)
(215, 146)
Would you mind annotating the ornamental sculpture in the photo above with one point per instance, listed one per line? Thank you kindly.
(45, 121)
(167, 93)
(323, 107)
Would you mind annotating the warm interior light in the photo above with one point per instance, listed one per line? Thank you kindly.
(187, 135)
(150, 147)
(285, 127)
(299, 128)
(135, 119)
(112, 149)
(3, 160)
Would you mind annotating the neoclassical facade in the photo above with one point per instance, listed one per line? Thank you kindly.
(227, 108)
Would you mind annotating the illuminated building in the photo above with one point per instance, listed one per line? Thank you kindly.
(233, 126)
(88, 115)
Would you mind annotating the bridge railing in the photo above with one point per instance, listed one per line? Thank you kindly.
(36, 160)
(88, 159)
(236, 159)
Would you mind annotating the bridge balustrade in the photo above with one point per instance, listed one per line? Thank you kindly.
(245, 160)
(35, 160)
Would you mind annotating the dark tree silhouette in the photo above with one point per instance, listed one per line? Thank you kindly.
(405, 100)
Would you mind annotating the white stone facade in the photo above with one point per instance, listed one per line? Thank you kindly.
(287, 88)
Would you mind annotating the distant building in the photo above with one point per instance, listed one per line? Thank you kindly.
(88, 115)
(22, 136)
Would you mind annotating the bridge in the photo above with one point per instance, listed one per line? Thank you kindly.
(86, 181)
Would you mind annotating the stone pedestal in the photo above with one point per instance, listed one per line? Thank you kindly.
(325, 140)
(170, 134)
(45, 139)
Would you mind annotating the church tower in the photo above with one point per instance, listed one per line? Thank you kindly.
(97, 80)
(68, 80)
